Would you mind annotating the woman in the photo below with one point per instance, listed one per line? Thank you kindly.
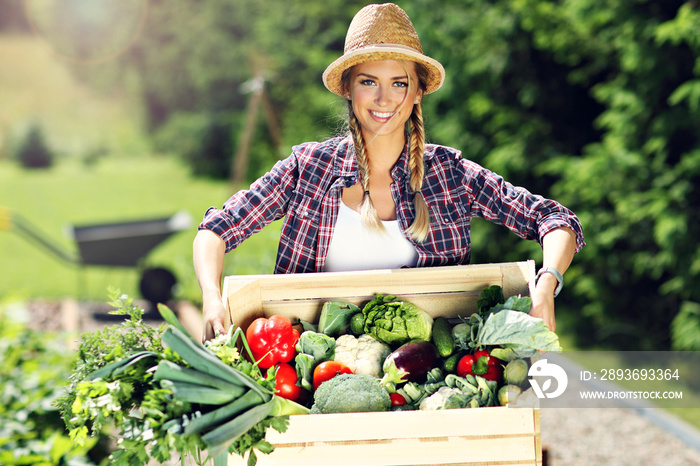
(381, 197)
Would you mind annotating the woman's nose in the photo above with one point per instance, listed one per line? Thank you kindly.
(381, 96)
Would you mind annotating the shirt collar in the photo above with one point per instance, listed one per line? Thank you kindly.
(345, 164)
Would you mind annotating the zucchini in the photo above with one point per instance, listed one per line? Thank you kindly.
(450, 364)
(442, 337)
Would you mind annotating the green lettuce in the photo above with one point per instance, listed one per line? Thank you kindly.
(518, 333)
(395, 322)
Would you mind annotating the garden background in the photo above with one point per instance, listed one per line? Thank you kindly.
(131, 109)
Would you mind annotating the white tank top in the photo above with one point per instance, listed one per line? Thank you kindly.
(355, 247)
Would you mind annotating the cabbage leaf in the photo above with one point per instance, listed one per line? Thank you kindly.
(520, 333)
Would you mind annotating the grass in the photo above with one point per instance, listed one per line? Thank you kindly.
(126, 182)
(112, 190)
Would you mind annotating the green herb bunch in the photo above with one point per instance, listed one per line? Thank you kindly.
(162, 393)
(132, 404)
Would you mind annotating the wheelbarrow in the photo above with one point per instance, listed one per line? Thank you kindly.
(122, 244)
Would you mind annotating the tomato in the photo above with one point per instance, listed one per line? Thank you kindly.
(286, 382)
(397, 399)
(327, 370)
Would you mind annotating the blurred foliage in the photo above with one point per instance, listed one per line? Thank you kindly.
(12, 16)
(685, 328)
(192, 64)
(592, 102)
(34, 367)
(204, 140)
(33, 151)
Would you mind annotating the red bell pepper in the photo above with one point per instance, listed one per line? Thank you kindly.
(272, 340)
(481, 363)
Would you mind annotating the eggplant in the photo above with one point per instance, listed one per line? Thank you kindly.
(411, 362)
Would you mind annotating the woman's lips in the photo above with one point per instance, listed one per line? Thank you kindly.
(381, 116)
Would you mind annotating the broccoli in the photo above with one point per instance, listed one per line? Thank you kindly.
(351, 393)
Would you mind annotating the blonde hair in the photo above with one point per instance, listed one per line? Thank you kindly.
(420, 227)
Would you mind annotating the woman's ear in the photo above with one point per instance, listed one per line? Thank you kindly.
(419, 96)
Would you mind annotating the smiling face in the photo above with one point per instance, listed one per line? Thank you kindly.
(383, 94)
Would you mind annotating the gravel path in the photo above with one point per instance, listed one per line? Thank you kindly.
(625, 434)
(619, 436)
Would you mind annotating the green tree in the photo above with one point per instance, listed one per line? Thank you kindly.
(594, 103)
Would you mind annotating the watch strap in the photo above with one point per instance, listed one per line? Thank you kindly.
(557, 275)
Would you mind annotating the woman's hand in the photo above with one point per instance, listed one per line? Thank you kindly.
(213, 313)
(558, 249)
(542, 296)
(209, 251)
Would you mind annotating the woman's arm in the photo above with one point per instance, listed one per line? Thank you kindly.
(558, 248)
(208, 255)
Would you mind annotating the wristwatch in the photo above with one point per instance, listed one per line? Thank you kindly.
(557, 275)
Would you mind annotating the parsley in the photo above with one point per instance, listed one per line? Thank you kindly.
(112, 388)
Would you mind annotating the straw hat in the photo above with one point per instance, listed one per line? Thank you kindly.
(381, 32)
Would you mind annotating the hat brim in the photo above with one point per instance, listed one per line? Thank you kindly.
(332, 77)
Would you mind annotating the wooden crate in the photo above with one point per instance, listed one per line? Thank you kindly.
(484, 436)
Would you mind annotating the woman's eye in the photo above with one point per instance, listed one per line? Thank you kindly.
(367, 82)
(400, 84)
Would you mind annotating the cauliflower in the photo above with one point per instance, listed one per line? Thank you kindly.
(350, 393)
(363, 355)
(445, 398)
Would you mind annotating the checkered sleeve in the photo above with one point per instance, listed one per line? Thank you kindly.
(249, 210)
(528, 215)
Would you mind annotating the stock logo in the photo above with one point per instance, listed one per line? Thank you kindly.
(546, 372)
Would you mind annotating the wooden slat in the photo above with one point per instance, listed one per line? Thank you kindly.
(438, 290)
(538, 435)
(243, 301)
(516, 278)
(406, 424)
(393, 281)
(484, 451)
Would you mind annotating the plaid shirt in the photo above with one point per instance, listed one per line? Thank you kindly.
(306, 189)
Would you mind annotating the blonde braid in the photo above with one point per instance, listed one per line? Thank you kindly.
(368, 213)
(421, 224)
